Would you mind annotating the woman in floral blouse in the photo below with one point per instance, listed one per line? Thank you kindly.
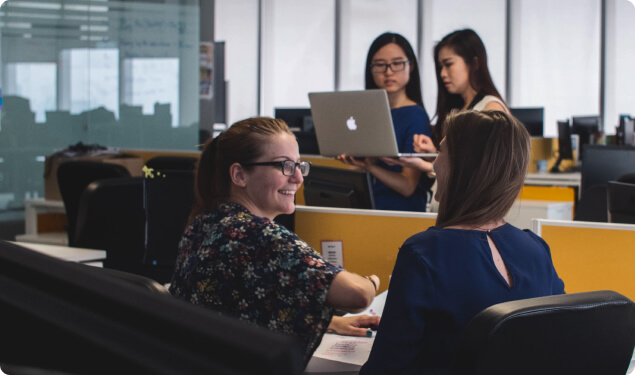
(235, 259)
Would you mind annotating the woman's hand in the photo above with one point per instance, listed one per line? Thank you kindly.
(358, 325)
(410, 162)
(360, 163)
(423, 144)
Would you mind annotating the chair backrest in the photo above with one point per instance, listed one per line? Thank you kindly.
(580, 333)
(142, 282)
(181, 163)
(168, 200)
(592, 205)
(73, 177)
(628, 178)
(111, 217)
(620, 199)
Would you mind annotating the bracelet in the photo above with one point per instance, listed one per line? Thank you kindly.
(372, 281)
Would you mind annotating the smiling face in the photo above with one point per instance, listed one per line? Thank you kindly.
(454, 73)
(441, 167)
(266, 191)
(391, 81)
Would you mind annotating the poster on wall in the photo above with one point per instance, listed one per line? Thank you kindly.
(206, 69)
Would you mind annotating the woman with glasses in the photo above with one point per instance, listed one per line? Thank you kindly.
(234, 258)
(391, 65)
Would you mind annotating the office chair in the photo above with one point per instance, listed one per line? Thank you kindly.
(168, 200)
(628, 178)
(111, 217)
(621, 202)
(181, 163)
(73, 177)
(580, 333)
(132, 279)
(592, 205)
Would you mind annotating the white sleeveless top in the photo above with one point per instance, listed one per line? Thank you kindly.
(486, 100)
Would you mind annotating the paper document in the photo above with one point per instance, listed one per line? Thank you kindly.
(347, 349)
(351, 349)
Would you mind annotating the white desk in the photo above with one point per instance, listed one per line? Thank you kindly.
(71, 254)
(565, 179)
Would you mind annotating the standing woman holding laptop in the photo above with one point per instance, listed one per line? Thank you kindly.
(392, 65)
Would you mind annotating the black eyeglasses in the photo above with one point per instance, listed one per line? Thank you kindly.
(396, 66)
(287, 166)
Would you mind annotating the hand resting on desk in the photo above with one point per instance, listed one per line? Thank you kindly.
(356, 325)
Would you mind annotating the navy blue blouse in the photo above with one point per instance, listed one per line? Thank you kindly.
(441, 280)
(408, 121)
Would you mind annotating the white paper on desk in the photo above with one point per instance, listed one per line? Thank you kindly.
(347, 349)
(376, 307)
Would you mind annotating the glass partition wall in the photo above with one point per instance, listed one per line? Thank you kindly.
(121, 74)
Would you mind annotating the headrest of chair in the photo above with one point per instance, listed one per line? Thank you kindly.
(591, 332)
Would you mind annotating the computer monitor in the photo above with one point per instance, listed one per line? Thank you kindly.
(338, 187)
(532, 118)
(586, 127)
(565, 151)
(300, 121)
(621, 202)
(604, 163)
(60, 317)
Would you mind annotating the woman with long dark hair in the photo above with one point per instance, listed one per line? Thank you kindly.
(391, 65)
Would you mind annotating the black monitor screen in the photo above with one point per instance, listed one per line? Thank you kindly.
(621, 202)
(586, 127)
(532, 118)
(564, 140)
(300, 121)
(337, 187)
(606, 163)
(61, 317)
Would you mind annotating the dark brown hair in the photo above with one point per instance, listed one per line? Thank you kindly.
(488, 154)
(468, 45)
(241, 143)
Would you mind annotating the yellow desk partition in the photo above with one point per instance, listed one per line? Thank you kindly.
(591, 256)
(370, 238)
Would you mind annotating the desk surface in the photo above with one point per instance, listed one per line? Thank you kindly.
(72, 254)
(554, 179)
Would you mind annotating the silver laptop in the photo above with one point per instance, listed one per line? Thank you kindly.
(355, 123)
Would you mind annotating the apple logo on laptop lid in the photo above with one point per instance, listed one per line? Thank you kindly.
(351, 124)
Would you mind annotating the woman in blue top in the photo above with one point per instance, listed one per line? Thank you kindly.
(391, 65)
(471, 259)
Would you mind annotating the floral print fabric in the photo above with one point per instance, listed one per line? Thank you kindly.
(256, 270)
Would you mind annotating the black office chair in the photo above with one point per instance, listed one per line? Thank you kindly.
(621, 202)
(73, 177)
(168, 200)
(580, 333)
(628, 178)
(142, 282)
(111, 217)
(592, 205)
(180, 163)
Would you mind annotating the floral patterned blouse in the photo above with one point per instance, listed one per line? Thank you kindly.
(256, 270)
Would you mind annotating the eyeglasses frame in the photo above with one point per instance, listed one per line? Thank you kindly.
(389, 65)
(280, 164)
